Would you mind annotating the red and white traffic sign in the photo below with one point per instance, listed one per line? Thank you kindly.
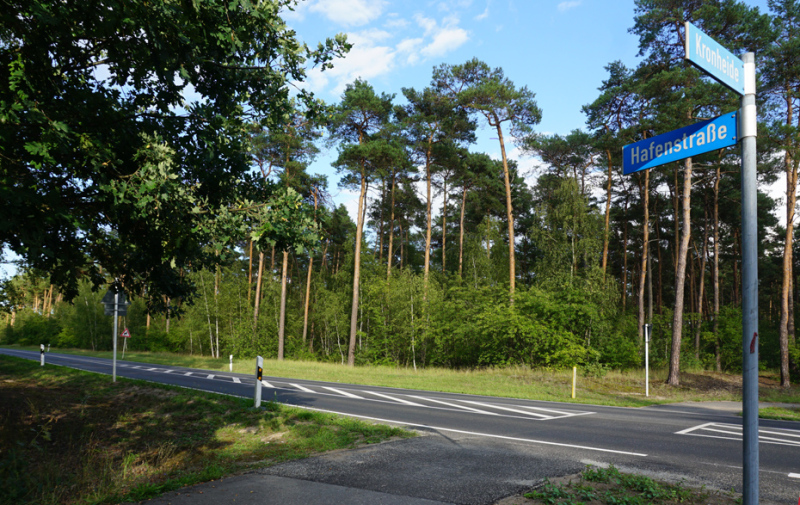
(126, 333)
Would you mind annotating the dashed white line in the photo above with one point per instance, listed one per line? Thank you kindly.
(151, 369)
(236, 380)
(188, 373)
(505, 408)
(268, 385)
(794, 475)
(478, 411)
(394, 399)
(210, 376)
(301, 388)
(343, 393)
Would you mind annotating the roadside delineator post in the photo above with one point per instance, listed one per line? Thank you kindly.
(259, 375)
(231, 362)
(41, 354)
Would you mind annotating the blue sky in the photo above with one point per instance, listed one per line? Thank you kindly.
(558, 49)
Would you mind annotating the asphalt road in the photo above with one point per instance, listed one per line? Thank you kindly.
(484, 448)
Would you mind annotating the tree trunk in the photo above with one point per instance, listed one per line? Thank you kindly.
(701, 290)
(428, 224)
(351, 353)
(258, 293)
(608, 212)
(250, 273)
(645, 252)
(308, 297)
(444, 228)
(791, 201)
(509, 215)
(715, 279)
(380, 232)
(673, 378)
(461, 232)
(390, 254)
(282, 320)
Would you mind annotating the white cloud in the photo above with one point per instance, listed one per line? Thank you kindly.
(366, 60)
(349, 12)
(448, 39)
(409, 48)
(483, 15)
(571, 4)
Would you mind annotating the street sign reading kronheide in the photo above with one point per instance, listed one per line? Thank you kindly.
(682, 143)
(714, 59)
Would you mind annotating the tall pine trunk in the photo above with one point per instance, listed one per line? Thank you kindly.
(673, 378)
(351, 352)
(282, 320)
(791, 201)
(461, 232)
(390, 254)
(509, 215)
(608, 212)
(645, 251)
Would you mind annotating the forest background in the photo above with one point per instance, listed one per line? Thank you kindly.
(206, 215)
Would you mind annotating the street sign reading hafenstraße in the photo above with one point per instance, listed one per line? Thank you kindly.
(682, 143)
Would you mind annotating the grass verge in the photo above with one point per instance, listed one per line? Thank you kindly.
(620, 388)
(608, 486)
(780, 413)
(75, 437)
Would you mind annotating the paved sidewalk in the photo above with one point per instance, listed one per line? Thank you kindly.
(259, 489)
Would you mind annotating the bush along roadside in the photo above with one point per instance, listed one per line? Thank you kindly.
(73, 437)
(610, 486)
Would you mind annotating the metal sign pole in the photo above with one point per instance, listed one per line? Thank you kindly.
(114, 360)
(747, 135)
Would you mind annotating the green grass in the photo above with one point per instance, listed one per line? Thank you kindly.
(76, 437)
(620, 388)
(610, 486)
(780, 413)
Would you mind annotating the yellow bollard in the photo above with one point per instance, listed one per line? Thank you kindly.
(574, 379)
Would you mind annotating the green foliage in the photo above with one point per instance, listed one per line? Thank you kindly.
(115, 169)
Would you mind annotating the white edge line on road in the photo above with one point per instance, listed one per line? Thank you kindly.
(301, 388)
(781, 433)
(488, 435)
(794, 475)
(343, 393)
(544, 410)
(689, 430)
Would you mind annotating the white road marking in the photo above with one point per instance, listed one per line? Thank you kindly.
(544, 410)
(454, 405)
(301, 388)
(210, 376)
(188, 373)
(168, 371)
(787, 437)
(794, 475)
(489, 405)
(343, 393)
(152, 369)
(236, 380)
(393, 398)
(267, 384)
(689, 430)
(488, 435)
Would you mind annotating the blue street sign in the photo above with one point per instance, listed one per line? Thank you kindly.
(714, 59)
(682, 143)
